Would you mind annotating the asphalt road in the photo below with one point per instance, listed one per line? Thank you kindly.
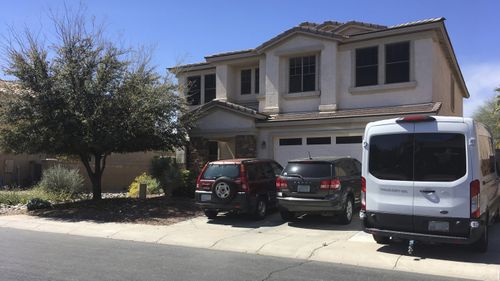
(26, 255)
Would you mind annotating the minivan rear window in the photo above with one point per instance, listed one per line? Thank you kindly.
(418, 157)
(308, 170)
(214, 171)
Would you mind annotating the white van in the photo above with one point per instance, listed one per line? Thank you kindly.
(429, 179)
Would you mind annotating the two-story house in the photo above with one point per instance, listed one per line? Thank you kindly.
(312, 89)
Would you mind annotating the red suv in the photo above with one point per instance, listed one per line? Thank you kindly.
(242, 185)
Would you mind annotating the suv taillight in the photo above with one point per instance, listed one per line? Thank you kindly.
(475, 188)
(330, 184)
(281, 183)
(243, 178)
(363, 193)
(198, 180)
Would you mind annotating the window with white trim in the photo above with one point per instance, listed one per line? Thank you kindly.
(302, 74)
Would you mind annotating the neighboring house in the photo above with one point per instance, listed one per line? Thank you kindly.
(312, 89)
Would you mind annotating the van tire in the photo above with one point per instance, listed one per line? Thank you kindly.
(288, 216)
(211, 214)
(481, 245)
(347, 211)
(383, 240)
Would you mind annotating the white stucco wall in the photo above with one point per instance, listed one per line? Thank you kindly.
(442, 84)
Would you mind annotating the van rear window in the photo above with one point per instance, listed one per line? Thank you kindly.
(418, 157)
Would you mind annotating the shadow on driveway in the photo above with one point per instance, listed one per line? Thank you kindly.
(459, 253)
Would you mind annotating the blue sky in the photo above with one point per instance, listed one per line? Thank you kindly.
(186, 31)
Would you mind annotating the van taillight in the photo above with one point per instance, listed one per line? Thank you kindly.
(243, 178)
(330, 184)
(363, 193)
(281, 183)
(198, 180)
(475, 188)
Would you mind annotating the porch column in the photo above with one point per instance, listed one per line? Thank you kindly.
(221, 81)
(272, 84)
(245, 146)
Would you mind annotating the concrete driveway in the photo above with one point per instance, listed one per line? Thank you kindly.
(311, 238)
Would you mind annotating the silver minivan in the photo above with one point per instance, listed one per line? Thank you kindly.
(429, 179)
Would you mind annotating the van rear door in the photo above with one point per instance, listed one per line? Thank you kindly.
(441, 187)
(389, 184)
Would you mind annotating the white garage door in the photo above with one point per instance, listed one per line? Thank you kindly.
(296, 147)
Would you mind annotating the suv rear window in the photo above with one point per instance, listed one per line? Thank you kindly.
(308, 170)
(418, 157)
(214, 171)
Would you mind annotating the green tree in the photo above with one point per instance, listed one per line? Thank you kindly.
(84, 96)
(489, 114)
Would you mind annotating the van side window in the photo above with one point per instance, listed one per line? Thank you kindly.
(391, 157)
(486, 155)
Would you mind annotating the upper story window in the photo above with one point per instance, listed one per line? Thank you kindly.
(302, 74)
(194, 86)
(397, 62)
(209, 87)
(394, 66)
(367, 66)
(256, 80)
(246, 81)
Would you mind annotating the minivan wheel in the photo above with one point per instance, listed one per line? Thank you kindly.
(347, 211)
(287, 215)
(260, 208)
(481, 245)
(211, 214)
(381, 239)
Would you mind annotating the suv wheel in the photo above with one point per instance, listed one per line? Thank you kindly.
(347, 211)
(260, 208)
(211, 214)
(287, 215)
(381, 239)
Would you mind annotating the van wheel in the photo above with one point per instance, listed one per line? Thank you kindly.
(211, 214)
(481, 245)
(347, 211)
(287, 215)
(260, 208)
(384, 240)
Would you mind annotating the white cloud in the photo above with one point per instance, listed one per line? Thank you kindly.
(481, 80)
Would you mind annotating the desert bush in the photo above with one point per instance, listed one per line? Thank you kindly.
(61, 180)
(187, 186)
(16, 196)
(153, 187)
(167, 172)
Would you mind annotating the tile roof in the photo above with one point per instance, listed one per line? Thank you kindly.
(230, 105)
(424, 108)
(412, 23)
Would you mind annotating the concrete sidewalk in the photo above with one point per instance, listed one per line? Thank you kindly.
(310, 239)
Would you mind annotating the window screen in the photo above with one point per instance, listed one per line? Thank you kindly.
(209, 87)
(193, 94)
(246, 81)
(397, 62)
(367, 66)
(302, 74)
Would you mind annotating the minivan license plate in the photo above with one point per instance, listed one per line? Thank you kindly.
(441, 226)
(303, 188)
(206, 197)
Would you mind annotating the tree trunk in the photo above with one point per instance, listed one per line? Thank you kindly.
(95, 175)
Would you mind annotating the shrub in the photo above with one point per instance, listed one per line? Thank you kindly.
(167, 172)
(153, 187)
(15, 197)
(187, 186)
(61, 180)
